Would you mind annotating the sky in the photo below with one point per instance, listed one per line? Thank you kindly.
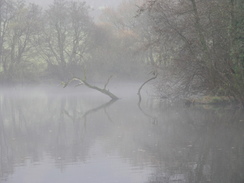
(94, 3)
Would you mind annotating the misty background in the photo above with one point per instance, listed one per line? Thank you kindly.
(95, 5)
(130, 91)
(92, 3)
(189, 49)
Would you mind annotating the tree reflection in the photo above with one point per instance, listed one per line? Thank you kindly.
(193, 144)
(89, 112)
(209, 150)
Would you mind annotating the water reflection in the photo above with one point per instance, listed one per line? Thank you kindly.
(65, 136)
(200, 145)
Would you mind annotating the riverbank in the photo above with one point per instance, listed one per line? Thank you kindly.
(212, 100)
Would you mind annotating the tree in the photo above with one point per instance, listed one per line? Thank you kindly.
(120, 42)
(19, 25)
(199, 40)
(66, 38)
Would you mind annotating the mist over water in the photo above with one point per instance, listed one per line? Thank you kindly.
(122, 91)
(56, 134)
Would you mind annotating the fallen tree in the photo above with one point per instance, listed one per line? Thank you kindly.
(103, 90)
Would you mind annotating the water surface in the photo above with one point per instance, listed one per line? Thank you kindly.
(78, 135)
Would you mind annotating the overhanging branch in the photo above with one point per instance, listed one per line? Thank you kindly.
(139, 90)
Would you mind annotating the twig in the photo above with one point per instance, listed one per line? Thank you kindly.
(107, 82)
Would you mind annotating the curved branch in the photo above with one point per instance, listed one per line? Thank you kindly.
(139, 90)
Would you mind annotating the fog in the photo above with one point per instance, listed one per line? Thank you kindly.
(53, 135)
(121, 91)
(94, 4)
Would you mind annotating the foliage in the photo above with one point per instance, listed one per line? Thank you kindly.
(115, 44)
(19, 27)
(63, 42)
(34, 42)
(194, 46)
(66, 37)
(201, 44)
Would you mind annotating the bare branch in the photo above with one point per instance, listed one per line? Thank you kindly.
(81, 82)
(139, 90)
(107, 82)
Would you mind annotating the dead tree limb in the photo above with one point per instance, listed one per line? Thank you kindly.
(139, 90)
(155, 75)
(83, 82)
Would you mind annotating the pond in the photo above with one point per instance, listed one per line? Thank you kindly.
(77, 135)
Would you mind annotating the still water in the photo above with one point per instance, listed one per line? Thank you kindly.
(77, 135)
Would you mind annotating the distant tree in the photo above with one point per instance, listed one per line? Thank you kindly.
(66, 38)
(120, 41)
(6, 14)
(19, 25)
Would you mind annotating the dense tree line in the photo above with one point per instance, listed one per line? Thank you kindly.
(59, 43)
(35, 41)
(194, 46)
(198, 46)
